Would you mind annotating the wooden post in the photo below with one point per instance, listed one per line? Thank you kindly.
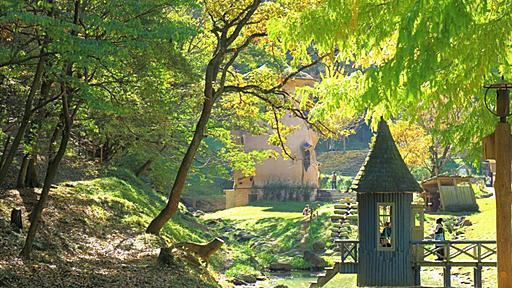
(503, 193)
(478, 277)
(447, 276)
(417, 275)
(342, 249)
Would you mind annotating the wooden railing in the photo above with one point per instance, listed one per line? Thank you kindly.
(349, 250)
(455, 253)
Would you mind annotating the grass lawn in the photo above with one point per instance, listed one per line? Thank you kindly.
(484, 221)
(260, 210)
(268, 209)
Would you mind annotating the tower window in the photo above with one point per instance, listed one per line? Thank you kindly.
(385, 221)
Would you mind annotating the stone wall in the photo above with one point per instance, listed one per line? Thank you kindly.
(237, 198)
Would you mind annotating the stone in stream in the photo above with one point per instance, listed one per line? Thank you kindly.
(248, 278)
(237, 281)
(315, 261)
(280, 266)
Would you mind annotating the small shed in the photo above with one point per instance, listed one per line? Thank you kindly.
(385, 188)
(449, 193)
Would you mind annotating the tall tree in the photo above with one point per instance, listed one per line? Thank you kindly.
(236, 28)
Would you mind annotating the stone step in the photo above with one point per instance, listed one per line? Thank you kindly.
(341, 225)
(345, 211)
(343, 235)
(338, 217)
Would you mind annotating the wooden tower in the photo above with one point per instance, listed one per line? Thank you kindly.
(385, 188)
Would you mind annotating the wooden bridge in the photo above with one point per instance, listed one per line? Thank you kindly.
(458, 253)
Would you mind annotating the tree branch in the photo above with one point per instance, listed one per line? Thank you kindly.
(278, 131)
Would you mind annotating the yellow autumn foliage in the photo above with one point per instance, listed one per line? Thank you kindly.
(412, 141)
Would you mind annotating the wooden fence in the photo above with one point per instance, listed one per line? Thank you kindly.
(446, 254)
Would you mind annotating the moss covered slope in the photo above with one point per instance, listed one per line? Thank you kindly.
(92, 236)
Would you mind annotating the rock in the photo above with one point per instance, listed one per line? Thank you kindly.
(467, 223)
(237, 281)
(280, 266)
(197, 213)
(329, 252)
(212, 222)
(318, 246)
(290, 252)
(248, 278)
(244, 236)
(261, 277)
(315, 261)
(227, 229)
(204, 205)
(189, 203)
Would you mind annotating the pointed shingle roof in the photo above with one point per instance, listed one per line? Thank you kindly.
(384, 170)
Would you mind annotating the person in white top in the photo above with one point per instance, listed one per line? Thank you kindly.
(439, 236)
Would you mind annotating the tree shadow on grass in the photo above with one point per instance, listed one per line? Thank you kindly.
(284, 206)
(105, 271)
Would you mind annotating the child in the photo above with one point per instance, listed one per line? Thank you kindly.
(306, 210)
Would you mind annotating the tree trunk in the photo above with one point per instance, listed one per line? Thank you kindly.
(174, 198)
(16, 220)
(53, 164)
(22, 175)
(32, 180)
(209, 96)
(27, 113)
(4, 151)
(51, 171)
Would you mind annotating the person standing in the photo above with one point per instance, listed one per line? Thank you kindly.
(334, 178)
(385, 235)
(439, 236)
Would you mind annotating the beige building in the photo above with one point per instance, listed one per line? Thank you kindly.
(301, 171)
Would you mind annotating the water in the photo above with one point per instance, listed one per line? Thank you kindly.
(431, 277)
(302, 279)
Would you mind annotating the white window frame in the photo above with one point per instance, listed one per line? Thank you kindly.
(393, 226)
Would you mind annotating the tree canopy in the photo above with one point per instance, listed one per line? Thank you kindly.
(409, 57)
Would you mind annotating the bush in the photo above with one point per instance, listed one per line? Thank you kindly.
(283, 191)
(299, 263)
(238, 269)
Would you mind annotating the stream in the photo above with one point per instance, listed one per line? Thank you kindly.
(301, 279)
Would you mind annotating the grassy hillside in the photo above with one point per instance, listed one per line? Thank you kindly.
(344, 163)
(92, 236)
(278, 233)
